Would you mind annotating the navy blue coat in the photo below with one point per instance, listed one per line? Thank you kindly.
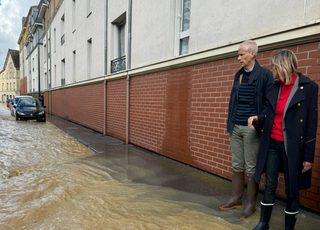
(262, 79)
(301, 129)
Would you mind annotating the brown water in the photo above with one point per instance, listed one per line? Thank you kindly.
(48, 180)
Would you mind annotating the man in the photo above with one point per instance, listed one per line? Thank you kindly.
(41, 99)
(248, 97)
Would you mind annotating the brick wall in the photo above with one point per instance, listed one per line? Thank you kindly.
(82, 105)
(23, 86)
(116, 109)
(182, 114)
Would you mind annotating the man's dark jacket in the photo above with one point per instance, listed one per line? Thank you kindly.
(262, 79)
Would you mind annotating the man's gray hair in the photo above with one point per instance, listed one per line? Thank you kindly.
(251, 46)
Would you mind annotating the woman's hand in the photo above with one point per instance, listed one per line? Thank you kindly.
(306, 166)
(251, 120)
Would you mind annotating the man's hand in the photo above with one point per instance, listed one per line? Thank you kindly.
(251, 120)
(306, 166)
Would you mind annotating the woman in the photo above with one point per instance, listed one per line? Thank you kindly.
(288, 136)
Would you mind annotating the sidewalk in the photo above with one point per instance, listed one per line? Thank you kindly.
(198, 186)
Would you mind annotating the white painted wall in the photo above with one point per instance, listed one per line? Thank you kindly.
(86, 27)
(153, 29)
(214, 23)
(219, 22)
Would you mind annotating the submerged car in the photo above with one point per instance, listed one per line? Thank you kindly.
(14, 103)
(30, 109)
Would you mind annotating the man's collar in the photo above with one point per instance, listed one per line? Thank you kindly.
(250, 70)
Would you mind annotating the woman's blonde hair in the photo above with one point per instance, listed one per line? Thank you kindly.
(286, 63)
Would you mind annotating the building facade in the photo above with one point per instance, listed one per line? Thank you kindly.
(10, 76)
(159, 75)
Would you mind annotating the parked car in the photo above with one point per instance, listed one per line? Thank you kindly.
(9, 101)
(30, 109)
(14, 103)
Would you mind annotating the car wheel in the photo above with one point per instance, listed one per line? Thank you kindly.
(44, 118)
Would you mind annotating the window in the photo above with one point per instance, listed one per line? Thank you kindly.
(14, 86)
(29, 65)
(32, 64)
(11, 71)
(10, 86)
(55, 74)
(62, 30)
(73, 16)
(119, 30)
(182, 27)
(49, 48)
(74, 66)
(63, 71)
(49, 79)
(54, 39)
(89, 58)
(89, 7)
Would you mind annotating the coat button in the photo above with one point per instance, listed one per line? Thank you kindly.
(265, 115)
(301, 137)
(262, 130)
(301, 120)
(298, 104)
(301, 87)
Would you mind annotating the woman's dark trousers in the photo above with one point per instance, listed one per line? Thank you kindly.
(277, 159)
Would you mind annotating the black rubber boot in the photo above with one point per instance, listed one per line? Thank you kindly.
(290, 220)
(266, 210)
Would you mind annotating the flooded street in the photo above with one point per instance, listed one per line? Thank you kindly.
(50, 181)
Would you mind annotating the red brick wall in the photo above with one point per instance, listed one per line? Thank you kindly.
(182, 114)
(147, 112)
(82, 105)
(116, 109)
(23, 86)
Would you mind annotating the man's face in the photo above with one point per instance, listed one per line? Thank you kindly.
(245, 58)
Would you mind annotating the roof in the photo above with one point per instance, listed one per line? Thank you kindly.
(15, 58)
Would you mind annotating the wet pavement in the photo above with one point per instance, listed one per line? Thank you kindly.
(56, 183)
(197, 186)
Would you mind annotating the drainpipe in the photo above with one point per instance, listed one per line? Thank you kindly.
(105, 108)
(127, 108)
(128, 67)
(105, 66)
(129, 35)
(106, 37)
(39, 91)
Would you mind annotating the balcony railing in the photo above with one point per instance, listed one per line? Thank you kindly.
(118, 64)
(63, 81)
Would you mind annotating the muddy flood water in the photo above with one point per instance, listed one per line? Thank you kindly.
(48, 180)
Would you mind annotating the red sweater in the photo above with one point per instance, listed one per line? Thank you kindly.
(276, 132)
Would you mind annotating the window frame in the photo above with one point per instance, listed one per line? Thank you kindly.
(179, 34)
